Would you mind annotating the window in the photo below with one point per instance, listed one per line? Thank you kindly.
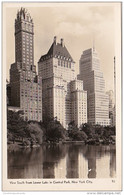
(67, 64)
(58, 62)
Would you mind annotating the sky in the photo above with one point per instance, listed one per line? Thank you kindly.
(79, 24)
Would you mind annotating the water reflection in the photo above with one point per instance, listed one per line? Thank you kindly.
(112, 165)
(72, 162)
(63, 161)
(90, 155)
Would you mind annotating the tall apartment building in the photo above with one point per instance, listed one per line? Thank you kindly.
(94, 84)
(60, 94)
(26, 86)
(79, 102)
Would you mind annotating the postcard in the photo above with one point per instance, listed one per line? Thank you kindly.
(61, 82)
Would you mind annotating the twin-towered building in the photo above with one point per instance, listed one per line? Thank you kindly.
(56, 92)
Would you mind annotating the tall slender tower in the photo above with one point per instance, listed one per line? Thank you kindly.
(94, 84)
(26, 86)
(24, 45)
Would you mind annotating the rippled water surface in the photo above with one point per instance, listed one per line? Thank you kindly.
(63, 161)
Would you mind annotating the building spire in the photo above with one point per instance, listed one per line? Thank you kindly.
(54, 40)
(93, 44)
(62, 42)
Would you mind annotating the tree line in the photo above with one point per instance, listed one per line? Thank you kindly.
(51, 130)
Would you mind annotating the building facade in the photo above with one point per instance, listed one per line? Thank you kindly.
(94, 84)
(110, 93)
(79, 102)
(8, 93)
(26, 85)
(57, 69)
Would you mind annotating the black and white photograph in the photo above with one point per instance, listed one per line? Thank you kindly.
(62, 96)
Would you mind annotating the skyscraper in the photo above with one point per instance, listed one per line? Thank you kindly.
(24, 38)
(94, 84)
(61, 92)
(26, 86)
(110, 93)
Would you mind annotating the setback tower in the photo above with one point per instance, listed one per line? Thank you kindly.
(26, 85)
(94, 84)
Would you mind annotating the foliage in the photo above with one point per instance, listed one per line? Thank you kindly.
(55, 131)
(15, 124)
(18, 128)
(72, 126)
(77, 135)
(34, 132)
(52, 130)
(88, 129)
(97, 131)
(74, 133)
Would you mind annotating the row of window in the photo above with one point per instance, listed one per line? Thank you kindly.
(27, 37)
(27, 42)
(26, 34)
(27, 57)
(31, 91)
(64, 63)
(27, 46)
(28, 29)
(103, 123)
(27, 61)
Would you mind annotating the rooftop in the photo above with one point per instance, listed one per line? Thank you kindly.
(57, 50)
(23, 14)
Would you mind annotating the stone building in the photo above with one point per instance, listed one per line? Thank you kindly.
(94, 84)
(60, 94)
(26, 85)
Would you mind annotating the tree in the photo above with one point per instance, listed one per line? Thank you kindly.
(77, 135)
(72, 126)
(88, 129)
(18, 128)
(55, 131)
(74, 133)
(15, 125)
(34, 132)
(99, 131)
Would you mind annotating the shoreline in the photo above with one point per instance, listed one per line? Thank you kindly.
(16, 145)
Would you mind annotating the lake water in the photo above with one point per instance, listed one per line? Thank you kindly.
(63, 161)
